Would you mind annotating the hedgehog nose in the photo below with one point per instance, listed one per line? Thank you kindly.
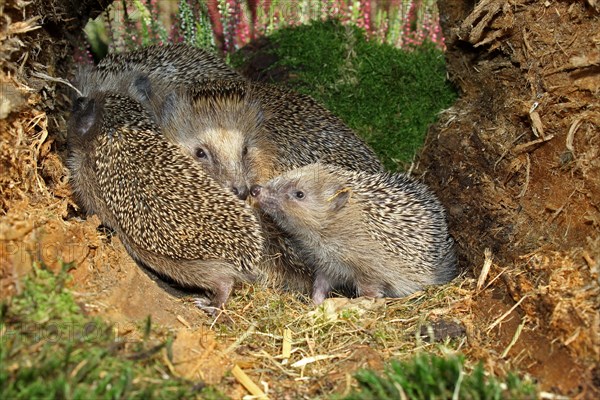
(255, 190)
(241, 192)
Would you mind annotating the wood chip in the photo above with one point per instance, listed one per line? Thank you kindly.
(16, 28)
(183, 321)
(536, 124)
(586, 256)
(530, 146)
(487, 263)
(286, 345)
(586, 60)
(310, 360)
(571, 135)
(247, 383)
(477, 23)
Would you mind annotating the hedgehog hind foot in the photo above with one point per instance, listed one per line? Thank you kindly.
(371, 290)
(221, 292)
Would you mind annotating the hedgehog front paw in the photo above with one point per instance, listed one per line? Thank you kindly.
(321, 288)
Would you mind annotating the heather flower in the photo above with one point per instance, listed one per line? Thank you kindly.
(230, 24)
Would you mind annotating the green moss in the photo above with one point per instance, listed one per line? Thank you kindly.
(387, 95)
(50, 349)
(432, 377)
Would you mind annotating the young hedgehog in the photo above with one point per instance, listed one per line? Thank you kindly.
(244, 133)
(383, 234)
(140, 73)
(169, 214)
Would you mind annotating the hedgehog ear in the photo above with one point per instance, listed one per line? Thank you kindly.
(85, 115)
(339, 198)
(143, 87)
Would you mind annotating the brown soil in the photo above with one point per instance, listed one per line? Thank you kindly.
(516, 161)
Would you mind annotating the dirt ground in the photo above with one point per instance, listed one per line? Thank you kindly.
(516, 161)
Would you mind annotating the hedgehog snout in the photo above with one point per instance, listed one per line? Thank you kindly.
(265, 200)
(240, 191)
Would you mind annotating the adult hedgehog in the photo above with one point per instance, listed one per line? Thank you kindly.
(169, 214)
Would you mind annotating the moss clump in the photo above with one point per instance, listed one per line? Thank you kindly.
(50, 349)
(433, 377)
(387, 95)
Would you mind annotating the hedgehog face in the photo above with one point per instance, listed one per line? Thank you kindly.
(221, 131)
(304, 198)
(225, 154)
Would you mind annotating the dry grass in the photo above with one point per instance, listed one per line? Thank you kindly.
(331, 342)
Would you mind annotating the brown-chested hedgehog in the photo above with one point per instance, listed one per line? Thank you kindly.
(140, 73)
(383, 234)
(169, 214)
(245, 133)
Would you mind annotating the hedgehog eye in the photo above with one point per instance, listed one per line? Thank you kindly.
(245, 151)
(299, 194)
(200, 153)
